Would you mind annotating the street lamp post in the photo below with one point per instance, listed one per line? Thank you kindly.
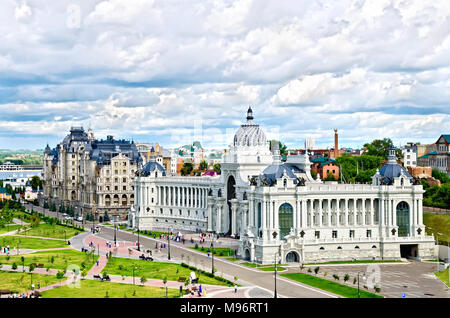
(139, 244)
(212, 258)
(115, 237)
(364, 278)
(168, 243)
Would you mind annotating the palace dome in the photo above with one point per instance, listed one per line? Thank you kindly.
(250, 134)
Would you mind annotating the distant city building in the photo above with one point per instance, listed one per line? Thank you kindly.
(18, 175)
(310, 143)
(4, 195)
(322, 166)
(92, 176)
(30, 194)
(163, 156)
(439, 158)
(410, 155)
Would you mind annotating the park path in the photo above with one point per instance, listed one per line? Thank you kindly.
(20, 222)
(23, 251)
(97, 269)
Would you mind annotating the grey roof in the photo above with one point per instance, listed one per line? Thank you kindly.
(276, 171)
(393, 171)
(152, 166)
(104, 150)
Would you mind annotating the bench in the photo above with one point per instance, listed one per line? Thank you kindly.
(5, 292)
(107, 278)
(97, 277)
(40, 265)
(181, 279)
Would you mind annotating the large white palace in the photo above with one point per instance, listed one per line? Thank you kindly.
(277, 208)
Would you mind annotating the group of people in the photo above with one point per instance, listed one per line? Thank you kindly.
(5, 249)
(24, 295)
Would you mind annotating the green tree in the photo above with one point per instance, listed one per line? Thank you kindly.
(379, 147)
(106, 217)
(330, 177)
(346, 277)
(316, 270)
(217, 167)
(187, 168)
(203, 165)
(36, 182)
(441, 176)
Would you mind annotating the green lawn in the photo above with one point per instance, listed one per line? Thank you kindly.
(443, 275)
(233, 259)
(154, 270)
(438, 223)
(21, 282)
(333, 287)
(219, 251)
(9, 228)
(30, 243)
(53, 231)
(61, 259)
(255, 265)
(357, 262)
(97, 289)
(271, 268)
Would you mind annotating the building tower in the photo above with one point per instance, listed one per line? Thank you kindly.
(336, 151)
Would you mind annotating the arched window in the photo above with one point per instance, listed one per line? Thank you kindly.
(124, 200)
(258, 214)
(107, 200)
(374, 246)
(285, 219)
(403, 219)
(356, 247)
(339, 248)
(285, 183)
(322, 248)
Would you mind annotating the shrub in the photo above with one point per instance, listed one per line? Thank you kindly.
(196, 246)
(325, 274)
(346, 277)
(14, 266)
(60, 275)
(354, 281)
(336, 276)
(316, 270)
(309, 270)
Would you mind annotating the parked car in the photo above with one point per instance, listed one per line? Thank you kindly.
(80, 219)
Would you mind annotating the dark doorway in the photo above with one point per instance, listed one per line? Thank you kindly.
(292, 257)
(247, 255)
(409, 250)
(231, 194)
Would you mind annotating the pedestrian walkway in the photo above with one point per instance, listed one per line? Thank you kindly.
(22, 251)
(97, 269)
(41, 237)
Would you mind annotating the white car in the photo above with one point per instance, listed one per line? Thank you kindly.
(80, 219)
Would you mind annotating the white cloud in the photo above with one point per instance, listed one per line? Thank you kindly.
(22, 12)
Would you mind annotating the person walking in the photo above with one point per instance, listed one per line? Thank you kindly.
(235, 288)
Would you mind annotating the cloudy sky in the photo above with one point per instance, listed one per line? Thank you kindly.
(169, 71)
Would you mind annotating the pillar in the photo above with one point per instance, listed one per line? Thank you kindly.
(346, 212)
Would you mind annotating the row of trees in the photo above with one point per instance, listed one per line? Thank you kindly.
(188, 168)
(437, 196)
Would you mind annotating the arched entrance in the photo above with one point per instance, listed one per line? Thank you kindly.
(247, 254)
(231, 194)
(403, 219)
(285, 219)
(292, 257)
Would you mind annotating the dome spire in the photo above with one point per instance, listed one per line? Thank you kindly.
(392, 158)
(249, 115)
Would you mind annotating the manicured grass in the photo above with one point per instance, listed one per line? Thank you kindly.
(9, 228)
(254, 265)
(53, 231)
(233, 259)
(21, 282)
(443, 275)
(61, 259)
(154, 270)
(357, 262)
(30, 243)
(97, 289)
(271, 268)
(335, 288)
(439, 223)
(219, 251)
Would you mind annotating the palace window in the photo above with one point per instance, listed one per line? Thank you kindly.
(334, 234)
(317, 234)
(352, 233)
(369, 233)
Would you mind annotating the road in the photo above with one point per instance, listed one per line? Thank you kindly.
(246, 275)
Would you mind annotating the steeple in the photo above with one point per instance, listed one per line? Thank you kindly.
(249, 115)
(276, 154)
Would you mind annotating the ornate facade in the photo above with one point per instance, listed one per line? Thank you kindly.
(92, 176)
(278, 210)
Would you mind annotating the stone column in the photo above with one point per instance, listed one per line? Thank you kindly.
(328, 212)
(233, 216)
(275, 215)
(297, 216)
(381, 216)
(303, 214)
(210, 215)
(354, 212)
(420, 218)
(219, 218)
(363, 221)
(263, 218)
(251, 211)
(346, 212)
(372, 213)
(271, 221)
(320, 213)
